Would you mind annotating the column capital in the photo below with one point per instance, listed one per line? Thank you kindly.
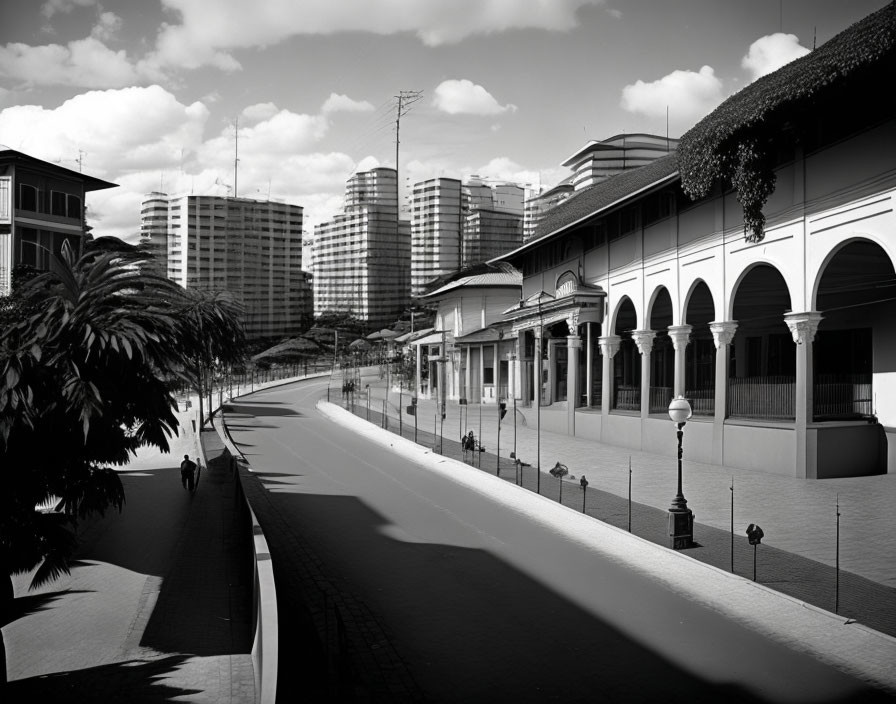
(803, 326)
(574, 342)
(644, 340)
(723, 332)
(572, 321)
(680, 336)
(609, 345)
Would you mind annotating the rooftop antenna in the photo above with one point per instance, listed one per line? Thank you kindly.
(406, 98)
(236, 153)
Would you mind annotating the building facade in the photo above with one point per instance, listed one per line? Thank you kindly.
(777, 328)
(362, 257)
(251, 249)
(41, 208)
(436, 227)
(467, 355)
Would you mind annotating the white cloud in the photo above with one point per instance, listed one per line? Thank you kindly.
(51, 7)
(144, 139)
(107, 25)
(342, 103)
(769, 53)
(86, 63)
(688, 95)
(463, 97)
(205, 38)
(254, 114)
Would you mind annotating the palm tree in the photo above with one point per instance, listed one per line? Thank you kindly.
(212, 338)
(82, 386)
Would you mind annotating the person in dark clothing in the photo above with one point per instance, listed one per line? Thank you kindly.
(187, 469)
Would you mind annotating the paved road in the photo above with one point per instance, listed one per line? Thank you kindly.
(476, 602)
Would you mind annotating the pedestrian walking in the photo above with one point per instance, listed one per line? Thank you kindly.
(187, 468)
(198, 473)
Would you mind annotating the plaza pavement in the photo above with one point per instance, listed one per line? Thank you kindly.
(158, 603)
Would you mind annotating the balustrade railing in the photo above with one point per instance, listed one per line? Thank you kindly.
(627, 398)
(703, 401)
(761, 397)
(842, 396)
(660, 397)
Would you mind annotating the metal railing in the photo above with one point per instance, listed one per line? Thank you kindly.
(627, 398)
(761, 397)
(703, 401)
(660, 397)
(842, 396)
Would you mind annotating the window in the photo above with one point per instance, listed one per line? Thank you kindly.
(27, 197)
(57, 203)
(73, 206)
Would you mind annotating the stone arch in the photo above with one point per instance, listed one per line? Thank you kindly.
(621, 307)
(865, 255)
(748, 273)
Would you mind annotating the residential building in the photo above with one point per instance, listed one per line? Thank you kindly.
(41, 208)
(766, 307)
(436, 228)
(250, 248)
(362, 257)
(595, 162)
(488, 233)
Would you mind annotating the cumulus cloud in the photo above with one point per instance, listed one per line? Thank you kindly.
(51, 7)
(342, 103)
(86, 63)
(108, 23)
(689, 95)
(463, 97)
(206, 38)
(769, 53)
(145, 139)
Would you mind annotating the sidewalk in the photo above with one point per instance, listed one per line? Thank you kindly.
(158, 604)
(799, 517)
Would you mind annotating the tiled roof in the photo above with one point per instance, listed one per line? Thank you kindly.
(601, 195)
(492, 278)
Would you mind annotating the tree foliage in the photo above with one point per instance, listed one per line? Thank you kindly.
(736, 143)
(85, 358)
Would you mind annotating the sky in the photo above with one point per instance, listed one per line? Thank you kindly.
(150, 94)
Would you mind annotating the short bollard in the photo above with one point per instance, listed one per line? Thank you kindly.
(584, 483)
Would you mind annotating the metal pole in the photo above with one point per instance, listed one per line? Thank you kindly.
(732, 525)
(498, 448)
(441, 433)
(538, 343)
(415, 424)
(629, 493)
(400, 407)
(584, 494)
(560, 479)
(479, 463)
(837, 565)
(435, 420)
(754, 561)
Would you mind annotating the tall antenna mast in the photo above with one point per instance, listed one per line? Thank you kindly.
(406, 98)
(236, 153)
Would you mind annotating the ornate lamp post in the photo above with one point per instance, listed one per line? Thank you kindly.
(681, 518)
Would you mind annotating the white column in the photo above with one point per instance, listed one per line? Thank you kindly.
(609, 346)
(681, 335)
(644, 340)
(803, 327)
(722, 335)
(573, 345)
(589, 361)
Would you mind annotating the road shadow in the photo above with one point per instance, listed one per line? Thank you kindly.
(34, 603)
(395, 620)
(133, 681)
(258, 410)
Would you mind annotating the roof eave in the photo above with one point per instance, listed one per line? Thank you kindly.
(616, 203)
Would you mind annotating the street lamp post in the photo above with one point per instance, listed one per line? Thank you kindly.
(681, 518)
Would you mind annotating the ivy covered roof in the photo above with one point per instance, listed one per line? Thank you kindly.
(734, 142)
